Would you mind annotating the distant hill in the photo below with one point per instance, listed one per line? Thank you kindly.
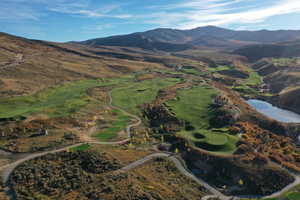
(28, 66)
(211, 36)
(138, 40)
(257, 52)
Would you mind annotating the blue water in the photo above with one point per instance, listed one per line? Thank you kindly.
(274, 112)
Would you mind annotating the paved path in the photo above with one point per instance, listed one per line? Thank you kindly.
(8, 169)
(180, 167)
(128, 128)
(288, 187)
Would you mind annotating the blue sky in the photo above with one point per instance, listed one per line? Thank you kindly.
(68, 20)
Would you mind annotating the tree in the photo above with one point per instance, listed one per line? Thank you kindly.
(241, 182)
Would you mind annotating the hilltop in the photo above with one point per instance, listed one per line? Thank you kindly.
(210, 36)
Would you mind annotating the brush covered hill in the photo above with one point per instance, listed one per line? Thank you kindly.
(193, 105)
(282, 78)
(28, 66)
(209, 36)
(256, 52)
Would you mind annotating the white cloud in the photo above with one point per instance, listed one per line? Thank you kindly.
(84, 9)
(219, 12)
(185, 15)
(10, 11)
(34, 9)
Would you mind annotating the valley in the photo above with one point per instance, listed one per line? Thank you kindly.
(105, 119)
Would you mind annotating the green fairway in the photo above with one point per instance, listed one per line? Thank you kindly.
(134, 94)
(82, 147)
(129, 96)
(118, 125)
(283, 62)
(55, 102)
(191, 70)
(254, 79)
(69, 98)
(249, 86)
(192, 105)
(220, 68)
(293, 196)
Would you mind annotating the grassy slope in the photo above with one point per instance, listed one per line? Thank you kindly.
(82, 147)
(192, 105)
(138, 93)
(254, 79)
(293, 194)
(119, 124)
(248, 85)
(220, 68)
(67, 99)
(56, 102)
(129, 98)
(283, 62)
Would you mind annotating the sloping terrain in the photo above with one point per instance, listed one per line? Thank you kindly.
(256, 52)
(59, 101)
(90, 174)
(28, 66)
(178, 40)
(282, 78)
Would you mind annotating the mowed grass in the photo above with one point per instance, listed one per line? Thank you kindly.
(220, 68)
(249, 86)
(293, 196)
(192, 105)
(254, 79)
(128, 97)
(134, 94)
(82, 147)
(119, 124)
(193, 71)
(55, 102)
(283, 62)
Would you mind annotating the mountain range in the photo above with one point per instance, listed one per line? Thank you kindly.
(164, 39)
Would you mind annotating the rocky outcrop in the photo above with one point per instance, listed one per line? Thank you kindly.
(160, 118)
(225, 112)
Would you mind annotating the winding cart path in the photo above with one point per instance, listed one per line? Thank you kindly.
(6, 170)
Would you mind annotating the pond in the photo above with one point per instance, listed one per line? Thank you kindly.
(274, 112)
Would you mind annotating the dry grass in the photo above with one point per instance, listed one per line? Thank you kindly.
(124, 154)
(49, 64)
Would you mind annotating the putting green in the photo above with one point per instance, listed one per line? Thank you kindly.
(193, 106)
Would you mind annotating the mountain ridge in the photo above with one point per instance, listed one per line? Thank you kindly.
(166, 39)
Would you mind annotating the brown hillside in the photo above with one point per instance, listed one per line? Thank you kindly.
(28, 66)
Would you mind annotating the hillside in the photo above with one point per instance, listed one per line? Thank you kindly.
(106, 121)
(282, 77)
(28, 66)
(209, 36)
(280, 50)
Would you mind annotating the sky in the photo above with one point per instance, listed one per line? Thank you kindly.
(78, 20)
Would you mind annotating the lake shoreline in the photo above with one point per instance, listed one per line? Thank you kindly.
(274, 112)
